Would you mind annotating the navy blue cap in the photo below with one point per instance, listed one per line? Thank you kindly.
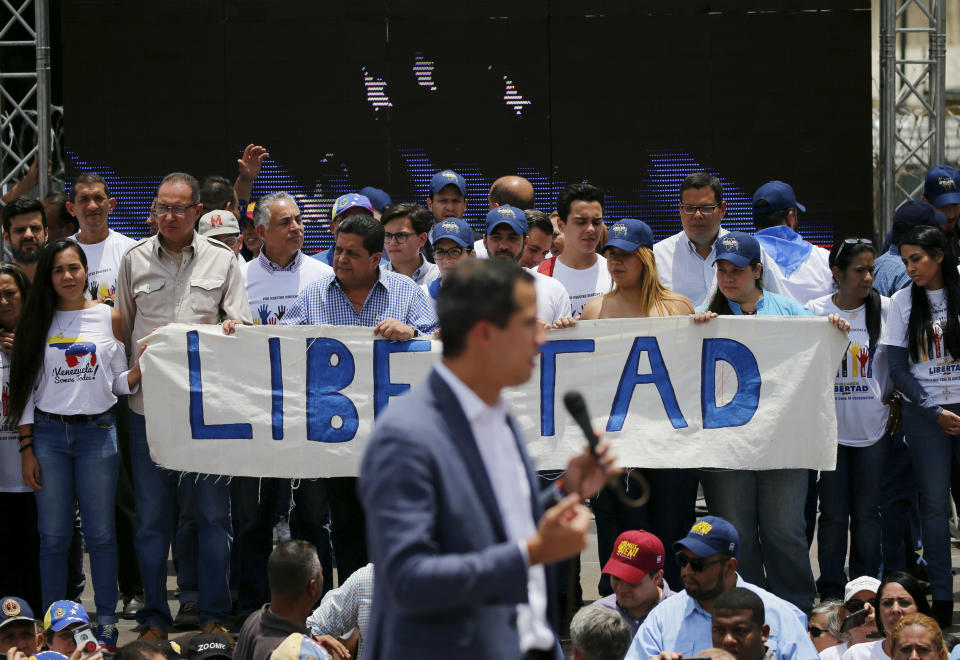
(710, 535)
(14, 609)
(509, 215)
(379, 199)
(941, 186)
(778, 195)
(629, 234)
(737, 248)
(455, 229)
(445, 178)
(916, 212)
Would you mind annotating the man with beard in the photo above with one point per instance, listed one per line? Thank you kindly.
(708, 567)
(25, 231)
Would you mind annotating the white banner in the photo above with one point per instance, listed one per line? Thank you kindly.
(299, 401)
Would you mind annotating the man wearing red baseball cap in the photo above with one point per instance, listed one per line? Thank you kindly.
(635, 568)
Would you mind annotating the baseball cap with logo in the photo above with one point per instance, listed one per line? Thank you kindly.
(455, 229)
(48, 655)
(298, 646)
(635, 553)
(14, 609)
(737, 248)
(379, 199)
(508, 215)
(778, 197)
(862, 583)
(941, 186)
(629, 234)
(445, 178)
(918, 212)
(208, 645)
(218, 223)
(710, 535)
(62, 613)
(351, 201)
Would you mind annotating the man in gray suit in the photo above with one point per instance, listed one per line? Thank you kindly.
(451, 499)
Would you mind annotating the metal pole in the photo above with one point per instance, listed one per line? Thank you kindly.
(888, 118)
(43, 96)
(938, 81)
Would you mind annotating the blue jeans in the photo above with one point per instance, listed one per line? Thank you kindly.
(156, 492)
(899, 509)
(850, 501)
(78, 463)
(766, 507)
(932, 451)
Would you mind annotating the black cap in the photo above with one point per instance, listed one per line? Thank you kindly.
(208, 645)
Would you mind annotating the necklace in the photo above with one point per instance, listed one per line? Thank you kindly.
(853, 315)
(60, 328)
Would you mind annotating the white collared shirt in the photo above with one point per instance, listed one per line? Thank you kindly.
(508, 480)
(423, 275)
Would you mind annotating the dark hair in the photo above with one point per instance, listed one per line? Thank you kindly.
(502, 194)
(20, 279)
(366, 226)
(477, 290)
(577, 192)
(31, 337)
(291, 566)
(420, 218)
(186, 179)
(59, 200)
(739, 598)
(841, 256)
(137, 650)
(911, 585)
(538, 220)
(703, 180)
(920, 326)
(719, 302)
(88, 178)
(21, 206)
(766, 220)
(216, 192)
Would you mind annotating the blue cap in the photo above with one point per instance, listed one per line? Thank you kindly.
(455, 229)
(445, 178)
(629, 234)
(379, 199)
(941, 186)
(710, 535)
(916, 212)
(14, 609)
(737, 248)
(778, 195)
(48, 655)
(509, 215)
(347, 202)
(62, 613)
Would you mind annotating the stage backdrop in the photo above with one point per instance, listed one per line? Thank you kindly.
(632, 96)
(301, 401)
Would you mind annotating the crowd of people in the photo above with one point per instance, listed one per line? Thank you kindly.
(77, 298)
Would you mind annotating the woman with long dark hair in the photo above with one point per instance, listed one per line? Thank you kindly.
(68, 360)
(922, 337)
(899, 594)
(850, 495)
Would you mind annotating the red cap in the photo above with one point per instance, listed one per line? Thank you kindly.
(635, 553)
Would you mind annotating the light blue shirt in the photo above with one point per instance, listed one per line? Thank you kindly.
(679, 624)
(770, 304)
(889, 273)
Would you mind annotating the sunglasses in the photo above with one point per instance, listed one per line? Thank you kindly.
(854, 605)
(816, 632)
(851, 242)
(696, 563)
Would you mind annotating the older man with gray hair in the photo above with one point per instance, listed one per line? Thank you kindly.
(597, 633)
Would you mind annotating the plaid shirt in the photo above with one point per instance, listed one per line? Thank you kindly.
(345, 608)
(269, 266)
(392, 296)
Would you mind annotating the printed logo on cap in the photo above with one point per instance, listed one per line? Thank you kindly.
(946, 183)
(449, 226)
(627, 549)
(729, 242)
(11, 607)
(732, 546)
(447, 174)
(703, 527)
(618, 229)
(216, 221)
(58, 613)
(503, 210)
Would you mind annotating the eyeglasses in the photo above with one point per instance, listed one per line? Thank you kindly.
(696, 563)
(816, 632)
(400, 237)
(851, 242)
(229, 241)
(705, 210)
(453, 253)
(853, 605)
(179, 211)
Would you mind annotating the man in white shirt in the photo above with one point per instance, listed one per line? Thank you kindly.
(506, 239)
(405, 230)
(512, 190)
(802, 268)
(579, 268)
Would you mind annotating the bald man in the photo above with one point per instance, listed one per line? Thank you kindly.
(507, 190)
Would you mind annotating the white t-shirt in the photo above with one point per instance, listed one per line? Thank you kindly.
(11, 478)
(83, 365)
(861, 415)
(479, 249)
(103, 260)
(834, 652)
(866, 651)
(273, 292)
(937, 371)
(553, 303)
(582, 285)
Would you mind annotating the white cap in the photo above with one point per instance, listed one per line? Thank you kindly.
(862, 583)
(218, 223)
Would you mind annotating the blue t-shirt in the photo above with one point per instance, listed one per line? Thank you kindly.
(770, 304)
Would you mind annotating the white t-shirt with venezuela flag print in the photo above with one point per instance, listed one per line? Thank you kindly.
(857, 391)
